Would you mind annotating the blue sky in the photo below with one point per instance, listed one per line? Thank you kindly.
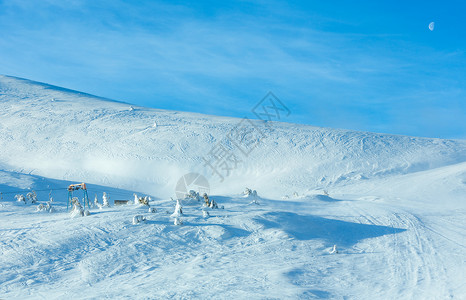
(345, 64)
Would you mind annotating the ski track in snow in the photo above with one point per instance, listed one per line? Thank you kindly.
(396, 208)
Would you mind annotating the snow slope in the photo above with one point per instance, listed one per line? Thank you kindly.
(395, 207)
(63, 134)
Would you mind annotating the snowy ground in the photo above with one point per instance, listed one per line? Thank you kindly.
(395, 209)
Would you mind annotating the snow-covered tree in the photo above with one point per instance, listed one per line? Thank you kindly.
(213, 204)
(144, 200)
(20, 198)
(32, 196)
(205, 214)
(249, 193)
(40, 207)
(96, 203)
(105, 200)
(209, 202)
(77, 210)
(178, 209)
(193, 195)
(47, 207)
(334, 250)
(252, 194)
(138, 219)
(206, 200)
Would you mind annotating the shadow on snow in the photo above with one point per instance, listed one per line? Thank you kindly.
(306, 227)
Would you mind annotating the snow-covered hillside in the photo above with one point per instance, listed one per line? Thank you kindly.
(58, 133)
(394, 206)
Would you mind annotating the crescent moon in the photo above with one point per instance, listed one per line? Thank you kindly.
(431, 26)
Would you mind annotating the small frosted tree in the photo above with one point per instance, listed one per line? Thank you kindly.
(192, 195)
(32, 196)
(250, 193)
(77, 210)
(209, 202)
(178, 209)
(105, 200)
(206, 200)
(96, 203)
(213, 204)
(144, 201)
(334, 250)
(40, 207)
(138, 219)
(20, 198)
(47, 207)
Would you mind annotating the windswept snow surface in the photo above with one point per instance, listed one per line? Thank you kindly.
(394, 206)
